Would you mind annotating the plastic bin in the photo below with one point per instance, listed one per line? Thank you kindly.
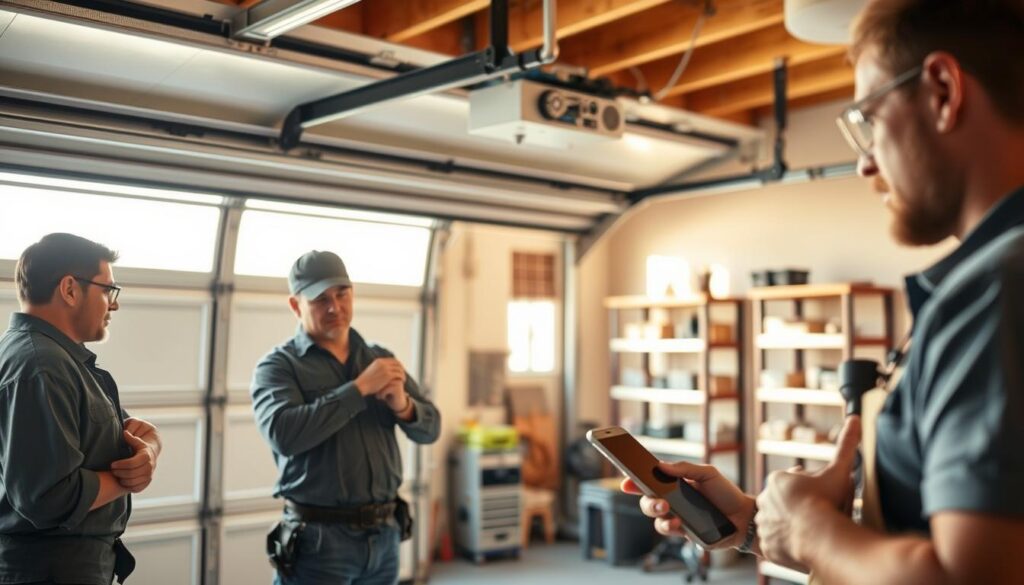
(611, 520)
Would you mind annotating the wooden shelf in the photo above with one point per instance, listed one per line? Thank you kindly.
(800, 341)
(800, 396)
(672, 446)
(658, 395)
(684, 448)
(774, 571)
(645, 302)
(658, 345)
(817, 451)
(666, 395)
(812, 291)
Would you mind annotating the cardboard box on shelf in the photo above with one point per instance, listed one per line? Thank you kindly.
(796, 380)
(721, 385)
(783, 326)
(720, 333)
(805, 433)
(776, 430)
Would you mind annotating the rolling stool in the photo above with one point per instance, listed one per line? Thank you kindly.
(538, 502)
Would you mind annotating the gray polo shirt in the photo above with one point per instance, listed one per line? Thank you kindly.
(333, 447)
(60, 423)
(951, 435)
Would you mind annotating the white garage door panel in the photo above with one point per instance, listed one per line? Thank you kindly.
(8, 303)
(158, 342)
(249, 470)
(243, 549)
(176, 491)
(394, 326)
(157, 345)
(259, 322)
(166, 554)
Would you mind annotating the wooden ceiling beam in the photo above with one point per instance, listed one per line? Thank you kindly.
(840, 95)
(744, 56)
(400, 20)
(665, 31)
(348, 19)
(449, 39)
(526, 25)
(807, 80)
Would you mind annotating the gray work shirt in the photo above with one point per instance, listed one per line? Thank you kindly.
(60, 423)
(951, 435)
(333, 447)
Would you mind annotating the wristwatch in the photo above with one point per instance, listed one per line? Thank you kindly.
(748, 541)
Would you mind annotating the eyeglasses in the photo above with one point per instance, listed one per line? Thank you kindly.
(112, 289)
(856, 126)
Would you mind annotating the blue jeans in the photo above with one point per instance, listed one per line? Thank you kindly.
(336, 554)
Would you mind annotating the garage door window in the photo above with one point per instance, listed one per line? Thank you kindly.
(150, 228)
(377, 248)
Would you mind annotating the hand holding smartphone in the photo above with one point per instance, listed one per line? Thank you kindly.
(703, 522)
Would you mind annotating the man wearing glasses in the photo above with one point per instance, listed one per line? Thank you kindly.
(939, 128)
(69, 455)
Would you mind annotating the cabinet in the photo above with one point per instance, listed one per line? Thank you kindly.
(678, 365)
(801, 334)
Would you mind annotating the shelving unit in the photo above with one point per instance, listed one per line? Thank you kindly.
(845, 342)
(701, 346)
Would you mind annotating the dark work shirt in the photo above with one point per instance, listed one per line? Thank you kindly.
(60, 423)
(333, 447)
(951, 435)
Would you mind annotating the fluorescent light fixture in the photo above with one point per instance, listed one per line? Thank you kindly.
(272, 18)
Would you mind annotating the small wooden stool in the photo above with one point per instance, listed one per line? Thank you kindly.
(538, 502)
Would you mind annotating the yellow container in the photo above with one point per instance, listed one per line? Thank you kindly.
(489, 437)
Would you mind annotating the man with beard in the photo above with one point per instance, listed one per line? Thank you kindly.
(939, 127)
(69, 455)
(328, 402)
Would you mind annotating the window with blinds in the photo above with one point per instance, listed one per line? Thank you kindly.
(531, 314)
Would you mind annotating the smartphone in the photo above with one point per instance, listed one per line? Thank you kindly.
(705, 523)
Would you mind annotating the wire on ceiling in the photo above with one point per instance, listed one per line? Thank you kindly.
(684, 62)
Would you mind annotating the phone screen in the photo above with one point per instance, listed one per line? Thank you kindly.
(640, 461)
(701, 518)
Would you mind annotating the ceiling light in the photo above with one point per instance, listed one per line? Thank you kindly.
(272, 18)
(821, 21)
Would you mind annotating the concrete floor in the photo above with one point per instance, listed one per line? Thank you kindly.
(562, 563)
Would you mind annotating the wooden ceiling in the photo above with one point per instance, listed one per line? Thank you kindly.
(632, 42)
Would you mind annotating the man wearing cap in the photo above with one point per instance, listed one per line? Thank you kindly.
(327, 403)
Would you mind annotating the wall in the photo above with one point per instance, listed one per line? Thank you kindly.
(475, 277)
(593, 379)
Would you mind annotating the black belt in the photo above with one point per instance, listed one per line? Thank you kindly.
(366, 516)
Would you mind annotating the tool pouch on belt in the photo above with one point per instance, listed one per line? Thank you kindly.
(124, 562)
(403, 517)
(281, 544)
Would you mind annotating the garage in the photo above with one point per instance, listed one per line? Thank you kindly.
(582, 236)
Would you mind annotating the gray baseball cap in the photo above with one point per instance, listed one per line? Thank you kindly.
(316, 271)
